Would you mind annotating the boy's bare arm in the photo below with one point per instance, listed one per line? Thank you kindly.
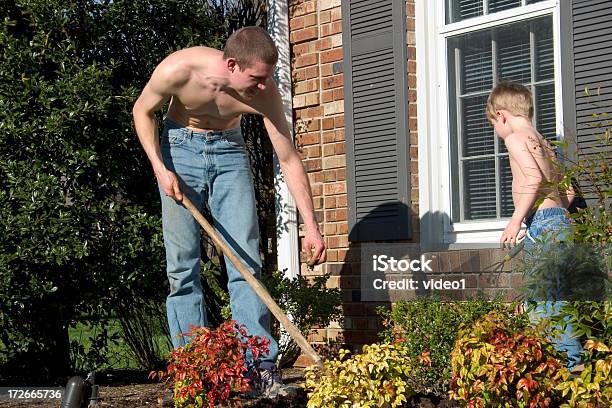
(528, 189)
(293, 170)
(164, 82)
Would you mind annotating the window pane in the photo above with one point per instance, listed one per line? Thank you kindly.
(477, 132)
(482, 190)
(505, 187)
(500, 5)
(457, 10)
(534, 1)
(513, 56)
(545, 111)
(544, 63)
(479, 189)
(476, 62)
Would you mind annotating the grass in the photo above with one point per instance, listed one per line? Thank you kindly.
(89, 351)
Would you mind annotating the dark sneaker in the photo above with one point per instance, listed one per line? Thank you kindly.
(268, 383)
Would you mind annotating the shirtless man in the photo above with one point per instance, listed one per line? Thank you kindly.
(534, 177)
(201, 153)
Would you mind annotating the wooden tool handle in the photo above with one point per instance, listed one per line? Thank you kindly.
(257, 286)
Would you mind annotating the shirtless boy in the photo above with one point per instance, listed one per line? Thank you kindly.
(534, 177)
(201, 154)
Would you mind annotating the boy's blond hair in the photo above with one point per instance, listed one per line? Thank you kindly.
(514, 98)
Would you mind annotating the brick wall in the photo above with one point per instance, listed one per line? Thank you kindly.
(318, 102)
(316, 47)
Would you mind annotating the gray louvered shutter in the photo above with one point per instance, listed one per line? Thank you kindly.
(376, 111)
(591, 39)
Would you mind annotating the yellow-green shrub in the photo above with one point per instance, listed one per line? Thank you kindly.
(594, 386)
(375, 378)
(502, 362)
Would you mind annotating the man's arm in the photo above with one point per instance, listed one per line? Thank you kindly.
(293, 170)
(527, 191)
(164, 82)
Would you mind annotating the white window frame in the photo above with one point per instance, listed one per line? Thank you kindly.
(437, 230)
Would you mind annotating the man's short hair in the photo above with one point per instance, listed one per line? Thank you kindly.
(510, 96)
(250, 44)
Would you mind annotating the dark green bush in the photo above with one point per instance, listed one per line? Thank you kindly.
(428, 327)
(80, 229)
(296, 297)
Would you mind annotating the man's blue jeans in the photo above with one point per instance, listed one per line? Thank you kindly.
(213, 168)
(544, 228)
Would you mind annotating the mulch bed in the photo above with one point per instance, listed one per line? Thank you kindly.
(134, 390)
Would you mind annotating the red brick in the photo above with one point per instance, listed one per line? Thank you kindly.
(313, 151)
(412, 67)
(341, 215)
(336, 27)
(342, 228)
(339, 148)
(327, 96)
(310, 20)
(325, 16)
(339, 135)
(327, 69)
(338, 94)
(308, 139)
(314, 125)
(336, 14)
(329, 175)
(328, 150)
(329, 137)
(333, 81)
(341, 174)
(335, 188)
(410, 24)
(299, 74)
(323, 44)
(339, 122)
(330, 202)
(304, 48)
(326, 30)
(410, 10)
(313, 165)
(327, 123)
(341, 200)
(312, 72)
(331, 56)
(306, 34)
(332, 254)
(296, 23)
(317, 189)
(313, 112)
(306, 60)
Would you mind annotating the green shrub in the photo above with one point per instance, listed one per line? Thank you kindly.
(378, 377)
(429, 327)
(295, 297)
(502, 362)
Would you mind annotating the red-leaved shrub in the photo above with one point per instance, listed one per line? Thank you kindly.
(205, 371)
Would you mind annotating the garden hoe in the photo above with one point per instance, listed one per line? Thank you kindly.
(257, 286)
